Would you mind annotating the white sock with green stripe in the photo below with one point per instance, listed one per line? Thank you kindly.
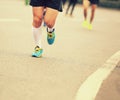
(37, 35)
(50, 29)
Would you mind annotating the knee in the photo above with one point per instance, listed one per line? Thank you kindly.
(93, 11)
(37, 21)
(49, 22)
(93, 8)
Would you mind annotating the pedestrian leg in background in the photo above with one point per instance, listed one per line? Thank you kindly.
(86, 3)
(64, 2)
(93, 8)
(27, 2)
(74, 2)
(68, 7)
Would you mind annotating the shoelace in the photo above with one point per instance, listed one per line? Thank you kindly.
(37, 49)
(50, 35)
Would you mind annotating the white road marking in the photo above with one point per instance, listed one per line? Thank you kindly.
(9, 20)
(90, 87)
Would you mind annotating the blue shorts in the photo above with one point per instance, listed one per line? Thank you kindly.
(94, 1)
(55, 4)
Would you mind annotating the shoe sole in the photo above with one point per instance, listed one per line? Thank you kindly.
(37, 56)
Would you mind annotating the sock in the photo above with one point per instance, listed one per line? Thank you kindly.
(37, 35)
(50, 29)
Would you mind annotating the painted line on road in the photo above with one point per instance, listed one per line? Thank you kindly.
(9, 20)
(89, 89)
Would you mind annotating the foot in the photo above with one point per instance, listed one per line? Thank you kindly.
(85, 23)
(37, 52)
(51, 37)
(90, 26)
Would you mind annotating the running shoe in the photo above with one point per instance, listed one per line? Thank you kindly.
(37, 52)
(51, 37)
(90, 26)
(85, 24)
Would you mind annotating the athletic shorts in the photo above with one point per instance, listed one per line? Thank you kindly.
(94, 1)
(55, 4)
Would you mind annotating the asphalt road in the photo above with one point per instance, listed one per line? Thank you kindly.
(64, 67)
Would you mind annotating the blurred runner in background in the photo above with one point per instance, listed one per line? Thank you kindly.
(64, 2)
(72, 3)
(86, 4)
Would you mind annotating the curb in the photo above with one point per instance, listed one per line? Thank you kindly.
(89, 89)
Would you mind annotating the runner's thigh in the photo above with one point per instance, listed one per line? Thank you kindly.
(51, 15)
(38, 12)
(86, 3)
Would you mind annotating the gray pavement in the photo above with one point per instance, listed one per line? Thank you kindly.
(110, 89)
(76, 54)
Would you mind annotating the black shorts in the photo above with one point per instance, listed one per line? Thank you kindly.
(55, 4)
(94, 1)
